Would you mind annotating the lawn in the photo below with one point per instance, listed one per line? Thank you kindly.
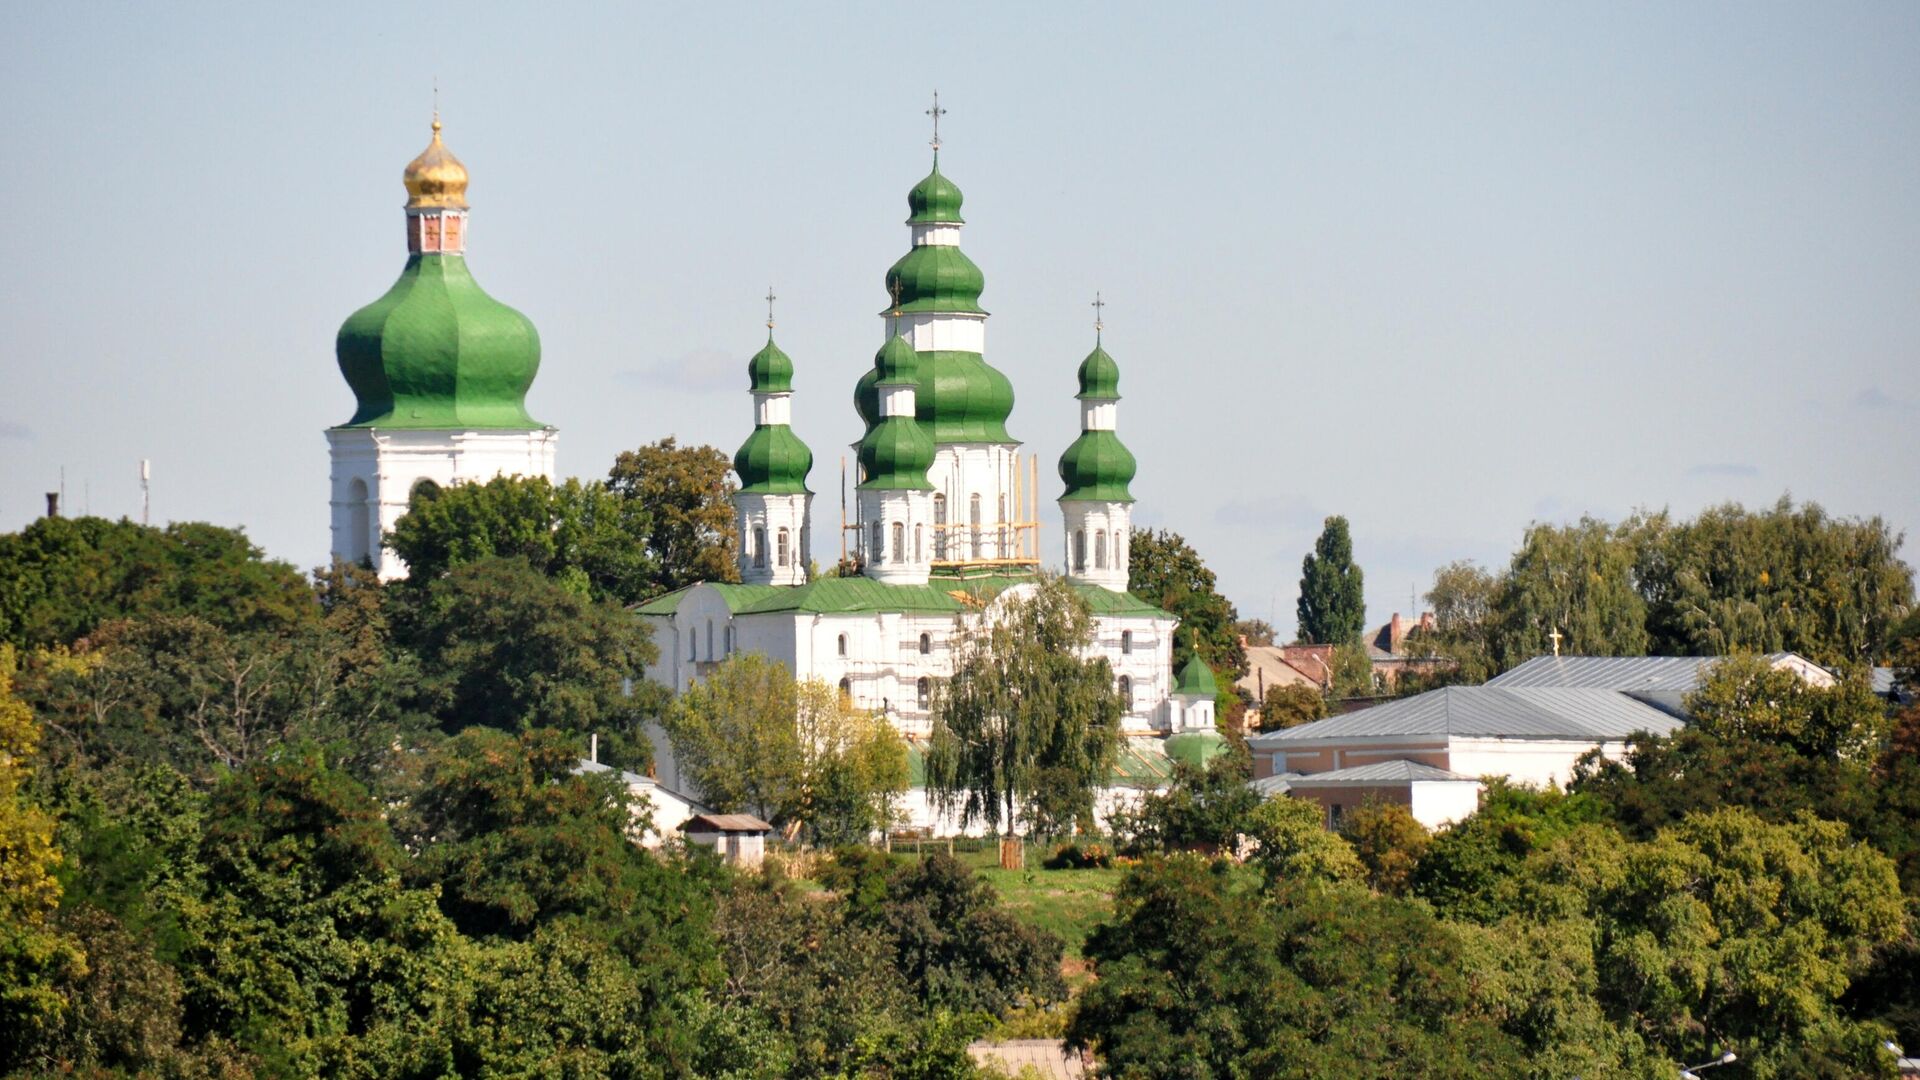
(1067, 902)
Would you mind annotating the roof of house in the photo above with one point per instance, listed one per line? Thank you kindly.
(1491, 711)
(726, 823)
(1381, 772)
(1267, 666)
(942, 594)
(635, 780)
(1680, 674)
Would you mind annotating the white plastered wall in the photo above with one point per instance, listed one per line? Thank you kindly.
(760, 518)
(1098, 542)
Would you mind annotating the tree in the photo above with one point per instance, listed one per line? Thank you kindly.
(1206, 809)
(1333, 602)
(1352, 672)
(1290, 706)
(1577, 580)
(1023, 707)
(853, 766)
(35, 957)
(502, 645)
(1464, 598)
(60, 578)
(589, 538)
(1164, 570)
(1294, 847)
(958, 948)
(735, 737)
(1389, 843)
(1256, 631)
(689, 493)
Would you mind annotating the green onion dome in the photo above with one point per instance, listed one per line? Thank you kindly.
(770, 370)
(773, 461)
(1196, 678)
(896, 451)
(960, 398)
(939, 278)
(1097, 467)
(1196, 748)
(934, 200)
(1099, 376)
(437, 352)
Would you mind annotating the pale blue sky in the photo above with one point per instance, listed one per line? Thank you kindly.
(1446, 269)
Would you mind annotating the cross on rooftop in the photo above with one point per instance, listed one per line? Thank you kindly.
(1099, 312)
(936, 112)
(770, 299)
(1555, 638)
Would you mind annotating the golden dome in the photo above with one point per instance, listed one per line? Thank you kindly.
(436, 179)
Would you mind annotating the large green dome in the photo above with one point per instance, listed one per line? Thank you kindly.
(770, 371)
(896, 452)
(773, 461)
(935, 200)
(960, 398)
(936, 277)
(1099, 376)
(437, 352)
(1097, 467)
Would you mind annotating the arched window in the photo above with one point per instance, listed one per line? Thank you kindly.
(926, 644)
(939, 530)
(899, 542)
(785, 541)
(711, 655)
(846, 689)
(879, 531)
(1119, 549)
(917, 548)
(1003, 526)
(759, 545)
(973, 520)
(843, 645)
(1126, 692)
(923, 692)
(1126, 642)
(359, 538)
(729, 639)
(1080, 550)
(1099, 549)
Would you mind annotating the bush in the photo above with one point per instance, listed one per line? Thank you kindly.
(1077, 856)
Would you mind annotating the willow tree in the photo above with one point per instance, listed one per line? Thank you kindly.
(1026, 713)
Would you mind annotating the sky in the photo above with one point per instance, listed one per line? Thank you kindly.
(1447, 270)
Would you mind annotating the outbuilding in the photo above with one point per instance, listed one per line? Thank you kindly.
(741, 839)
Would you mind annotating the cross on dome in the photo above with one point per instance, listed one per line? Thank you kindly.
(936, 112)
(1099, 312)
(770, 299)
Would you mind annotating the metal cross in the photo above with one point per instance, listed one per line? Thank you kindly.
(770, 299)
(1555, 637)
(936, 112)
(1099, 310)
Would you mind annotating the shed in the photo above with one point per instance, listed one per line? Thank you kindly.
(741, 839)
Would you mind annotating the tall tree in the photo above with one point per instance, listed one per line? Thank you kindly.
(1024, 707)
(589, 538)
(734, 736)
(853, 766)
(1576, 580)
(1464, 597)
(1333, 603)
(688, 491)
(1164, 570)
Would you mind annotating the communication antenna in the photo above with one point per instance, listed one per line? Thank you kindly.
(146, 490)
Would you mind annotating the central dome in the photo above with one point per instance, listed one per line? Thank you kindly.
(436, 179)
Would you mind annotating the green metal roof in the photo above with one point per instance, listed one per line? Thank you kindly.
(960, 398)
(736, 597)
(935, 199)
(437, 352)
(1097, 467)
(1196, 748)
(1142, 762)
(1104, 601)
(1196, 679)
(773, 461)
(851, 595)
(936, 277)
(770, 371)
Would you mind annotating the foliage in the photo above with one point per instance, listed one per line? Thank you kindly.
(1024, 712)
(1079, 856)
(589, 538)
(853, 766)
(1352, 672)
(1467, 864)
(60, 578)
(1199, 978)
(1293, 846)
(735, 738)
(1745, 697)
(688, 491)
(1290, 706)
(1389, 843)
(501, 645)
(1256, 631)
(1205, 809)
(1577, 580)
(1333, 605)
(1464, 598)
(958, 948)
(1164, 570)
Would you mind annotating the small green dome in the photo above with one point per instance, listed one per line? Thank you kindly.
(773, 461)
(437, 352)
(1196, 679)
(934, 200)
(960, 398)
(1099, 376)
(1196, 748)
(1097, 467)
(770, 370)
(936, 277)
(896, 364)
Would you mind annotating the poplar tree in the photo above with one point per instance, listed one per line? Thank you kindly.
(1333, 607)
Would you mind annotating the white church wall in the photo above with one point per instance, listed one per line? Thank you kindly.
(1438, 803)
(1538, 762)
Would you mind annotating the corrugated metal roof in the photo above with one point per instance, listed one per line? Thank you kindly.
(851, 595)
(736, 597)
(1649, 673)
(727, 823)
(1499, 712)
(1382, 772)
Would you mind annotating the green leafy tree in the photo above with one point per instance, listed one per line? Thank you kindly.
(1256, 631)
(1389, 843)
(60, 578)
(1352, 672)
(501, 645)
(1164, 570)
(1206, 809)
(688, 491)
(1464, 597)
(1290, 706)
(1577, 580)
(1294, 847)
(734, 736)
(1465, 866)
(958, 948)
(1333, 604)
(1022, 708)
(589, 538)
(853, 766)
